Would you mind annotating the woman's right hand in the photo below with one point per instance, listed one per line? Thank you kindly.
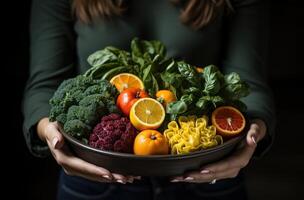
(49, 132)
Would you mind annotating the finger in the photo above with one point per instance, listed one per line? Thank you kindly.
(238, 159)
(91, 177)
(120, 178)
(253, 135)
(197, 177)
(54, 136)
(137, 177)
(228, 174)
(80, 167)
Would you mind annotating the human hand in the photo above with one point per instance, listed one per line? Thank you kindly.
(229, 167)
(73, 166)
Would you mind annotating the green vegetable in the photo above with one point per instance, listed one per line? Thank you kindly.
(234, 88)
(202, 93)
(80, 102)
(213, 80)
(77, 128)
(190, 74)
(144, 52)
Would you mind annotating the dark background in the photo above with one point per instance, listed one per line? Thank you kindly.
(275, 176)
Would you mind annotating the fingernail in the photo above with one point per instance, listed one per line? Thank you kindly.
(253, 139)
(120, 181)
(55, 141)
(137, 177)
(205, 171)
(189, 178)
(175, 180)
(130, 180)
(106, 177)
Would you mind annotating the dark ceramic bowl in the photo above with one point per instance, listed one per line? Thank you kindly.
(155, 165)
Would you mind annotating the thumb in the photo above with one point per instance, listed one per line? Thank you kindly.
(253, 135)
(54, 136)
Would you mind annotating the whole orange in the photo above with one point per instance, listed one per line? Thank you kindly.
(150, 142)
(165, 97)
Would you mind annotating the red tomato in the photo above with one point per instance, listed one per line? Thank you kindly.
(128, 97)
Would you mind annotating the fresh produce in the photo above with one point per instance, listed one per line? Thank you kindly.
(212, 89)
(127, 80)
(228, 121)
(198, 90)
(190, 134)
(165, 97)
(79, 102)
(150, 142)
(113, 133)
(128, 97)
(199, 69)
(141, 84)
(143, 61)
(147, 113)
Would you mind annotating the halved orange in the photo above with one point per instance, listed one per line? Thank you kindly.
(228, 121)
(147, 113)
(126, 80)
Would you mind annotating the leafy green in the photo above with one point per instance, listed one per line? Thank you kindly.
(234, 88)
(213, 79)
(202, 93)
(189, 73)
(147, 51)
(196, 92)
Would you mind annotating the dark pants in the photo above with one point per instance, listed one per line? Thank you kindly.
(75, 188)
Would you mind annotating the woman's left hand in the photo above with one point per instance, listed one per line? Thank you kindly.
(230, 166)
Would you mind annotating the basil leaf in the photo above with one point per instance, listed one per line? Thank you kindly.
(100, 57)
(234, 87)
(206, 103)
(189, 73)
(177, 107)
(213, 79)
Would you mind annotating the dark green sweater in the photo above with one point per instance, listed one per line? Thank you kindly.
(60, 46)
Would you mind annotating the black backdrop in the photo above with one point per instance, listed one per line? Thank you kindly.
(274, 176)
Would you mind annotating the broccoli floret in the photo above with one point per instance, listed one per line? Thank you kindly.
(83, 99)
(62, 118)
(92, 99)
(55, 111)
(111, 105)
(88, 115)
(77, 128)
(94, 89)
(96, 102)
(77, 93)
(83, 81)
(61, 91)
(107, 89)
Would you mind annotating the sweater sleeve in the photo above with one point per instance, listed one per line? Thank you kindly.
(52, 46)
(246, 39)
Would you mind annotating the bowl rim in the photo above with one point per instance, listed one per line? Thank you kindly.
(226, 144)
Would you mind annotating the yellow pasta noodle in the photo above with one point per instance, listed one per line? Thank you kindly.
(191, 134)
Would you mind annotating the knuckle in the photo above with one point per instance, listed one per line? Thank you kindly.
(234, 174)
(244, 163)
(60, 161)
(255, 128)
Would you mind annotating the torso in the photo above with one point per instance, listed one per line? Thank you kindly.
(152, 21)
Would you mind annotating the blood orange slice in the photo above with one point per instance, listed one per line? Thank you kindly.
(228, 121)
